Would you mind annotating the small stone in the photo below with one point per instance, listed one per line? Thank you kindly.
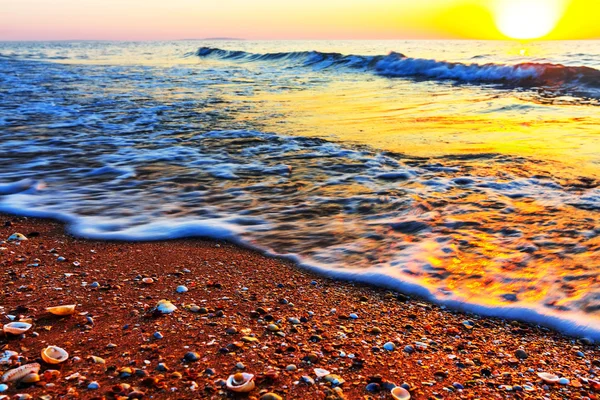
(240, 365)
(409, 349)
(191, 356)
(157, 335)
(521, 354)
(373, 387)
(375, 330)
(389, 346)
(308, 380)
(181, 289)
(563, 381)
(162, 367)
(231, 330)
(312, 357)
(353, 316)
(273, 327)
(93, 386)
(3, 387)
(291, 367)
(209, 371)
(270, 396)
(458, 386)
(94, 285)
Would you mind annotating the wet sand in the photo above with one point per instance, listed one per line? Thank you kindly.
(258, 315)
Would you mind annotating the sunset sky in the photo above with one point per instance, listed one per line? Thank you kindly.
(307, 19)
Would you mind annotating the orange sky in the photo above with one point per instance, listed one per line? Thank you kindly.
(275, 19)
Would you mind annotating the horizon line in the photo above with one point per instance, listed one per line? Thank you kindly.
(225, 39)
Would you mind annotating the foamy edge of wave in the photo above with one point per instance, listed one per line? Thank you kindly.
(575, 325)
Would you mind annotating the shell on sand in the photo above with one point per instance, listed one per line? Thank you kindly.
(17, 373)
(399, 393)
(62, 310)
(17, 237)
(165, 307)
(548, 378)
(54, 355)
(16, 328)
(320, 372)
(245, 384)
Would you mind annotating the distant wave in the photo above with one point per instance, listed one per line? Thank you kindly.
(399, 65)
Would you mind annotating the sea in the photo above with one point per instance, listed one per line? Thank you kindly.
(461, 172)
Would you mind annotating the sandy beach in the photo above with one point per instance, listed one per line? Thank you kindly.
(244, 312)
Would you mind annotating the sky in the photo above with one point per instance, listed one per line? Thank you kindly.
(293, 19)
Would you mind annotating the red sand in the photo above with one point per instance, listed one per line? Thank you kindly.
(241, 288)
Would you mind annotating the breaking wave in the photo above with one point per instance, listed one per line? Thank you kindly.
(399, 65)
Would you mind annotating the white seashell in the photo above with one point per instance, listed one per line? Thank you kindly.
(7, 356)
(17, 237)
(54, 355)
(549, 378)
(16, 328)
(399, 393)
(320, 372)
(62, 310)
(246, 385)
(17, 373)
(165, 307)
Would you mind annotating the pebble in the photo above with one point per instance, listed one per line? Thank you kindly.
(270, 396)
(389, 346)
(373, 387)
(409, 349)
(93, 386)
(3, 387)
(353, 316)
(564, 381)
(458, 386)
(291, 367)
(521, 354)
(181, 289)
(94, 285)
(273, 327)
(308, 380)
(240, 365)
(231, 330)
(162, 367)
(191, 356)
(158, 335)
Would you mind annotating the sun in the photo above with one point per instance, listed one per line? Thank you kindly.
(527, 19)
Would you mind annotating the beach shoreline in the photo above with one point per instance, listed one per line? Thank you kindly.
(279, 321)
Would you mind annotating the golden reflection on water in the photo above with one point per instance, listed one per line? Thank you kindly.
(440, 120)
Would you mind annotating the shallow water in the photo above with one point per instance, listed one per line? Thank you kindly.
(472, 185)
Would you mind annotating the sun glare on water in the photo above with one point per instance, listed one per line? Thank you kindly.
(527, 19)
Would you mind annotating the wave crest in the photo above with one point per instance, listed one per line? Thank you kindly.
(399, 65)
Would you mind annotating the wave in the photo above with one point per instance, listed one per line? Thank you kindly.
(398, 65)
(465, 232)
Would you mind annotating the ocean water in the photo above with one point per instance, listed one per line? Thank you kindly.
(463, 172)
